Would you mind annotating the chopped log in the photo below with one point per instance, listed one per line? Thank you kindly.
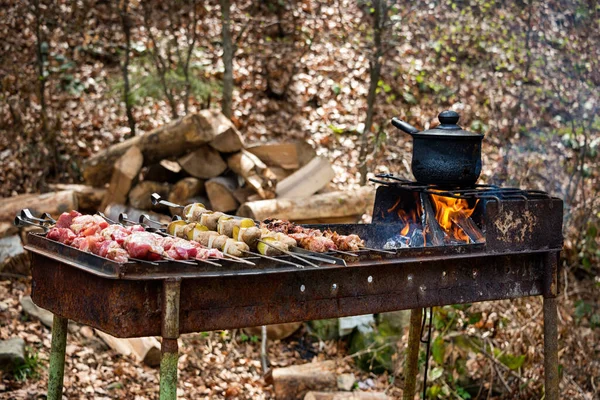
(145, 349)
(291, 155)
(13, 257)
(204, 162)
(7, 229)
(350, 219)
(172, 140)
(229, 140)
(243, 194)
(276, 331)
(307, 180)
(139, 196)
(431, 227)
(256, 174)
(468, 227)
(295, 381)
(113, 211)
(280, 173)
(345, 396)
(164, 171)
(220, 193)
(54, 203)
(328, 205)
(89, 198)
(184, 190)
(125, 172)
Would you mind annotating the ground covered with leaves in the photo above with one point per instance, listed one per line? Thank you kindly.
(523, 73)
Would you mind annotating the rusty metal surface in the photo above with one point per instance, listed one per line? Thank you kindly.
(551, 362)
(130, 308)
(523, 225)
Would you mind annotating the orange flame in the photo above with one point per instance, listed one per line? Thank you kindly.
(407, 219)
(449, 210)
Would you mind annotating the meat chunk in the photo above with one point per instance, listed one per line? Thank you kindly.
(144, 245)
(87, 225)
(65, 219)
(63, 235)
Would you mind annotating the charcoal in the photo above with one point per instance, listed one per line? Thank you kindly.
(396, 242)
(417, 239)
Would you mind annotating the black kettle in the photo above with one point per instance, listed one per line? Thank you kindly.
(446, 155)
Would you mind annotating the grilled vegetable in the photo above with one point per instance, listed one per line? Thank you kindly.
(210, 219)
(213, 240)
(250, 235)
(192, 212)
(273, 249)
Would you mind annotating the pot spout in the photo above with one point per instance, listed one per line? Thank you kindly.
(404, 126)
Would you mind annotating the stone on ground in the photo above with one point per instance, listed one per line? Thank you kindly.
(34, 311)
(12, 353)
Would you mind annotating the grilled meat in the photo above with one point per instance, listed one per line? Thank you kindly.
(345, 242)
(144, 245)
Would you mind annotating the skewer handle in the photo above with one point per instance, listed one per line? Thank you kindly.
(156, 199)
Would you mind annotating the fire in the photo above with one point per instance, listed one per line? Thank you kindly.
(407, 219)
(450, 210)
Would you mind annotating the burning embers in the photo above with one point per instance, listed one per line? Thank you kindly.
(434, 221)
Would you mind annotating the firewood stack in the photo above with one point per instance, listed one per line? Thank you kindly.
(202, 158)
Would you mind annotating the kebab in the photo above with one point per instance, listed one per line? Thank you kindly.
(240, 229)
(93, 234)
(314, 239)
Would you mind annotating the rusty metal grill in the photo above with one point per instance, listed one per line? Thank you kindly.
(523, 238)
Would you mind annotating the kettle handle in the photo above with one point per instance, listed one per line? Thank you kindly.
(404, 126)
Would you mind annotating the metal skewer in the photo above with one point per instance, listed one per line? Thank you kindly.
(318, 256)
(346, 253)
(273, 259)
(290, 254)
(110, 221)
(156, 199)
(377, 250)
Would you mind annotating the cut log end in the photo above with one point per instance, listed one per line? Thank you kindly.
(220, 192)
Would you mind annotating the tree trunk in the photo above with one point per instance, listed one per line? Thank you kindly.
(126, 23)
(328, 205)
(228, 50)
(379, 20)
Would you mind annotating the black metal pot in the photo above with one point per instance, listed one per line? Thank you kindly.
(446, 155)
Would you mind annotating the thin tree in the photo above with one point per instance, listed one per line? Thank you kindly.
(380, 18)
(228, 50)
(126, 25)
(161, 65)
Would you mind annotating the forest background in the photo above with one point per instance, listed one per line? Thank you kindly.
(77, 76)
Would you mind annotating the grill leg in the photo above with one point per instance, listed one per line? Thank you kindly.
(57, 358)
(170, 333)
(551, 349)
(411, 366)
(168, 369)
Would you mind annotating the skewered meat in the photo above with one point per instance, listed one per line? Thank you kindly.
(87, 225)
(144, 245)
(119, 233)
(179, 249)
(113, 251)
(66, 219)
(63, 235)
(345, 242)
(313, 242)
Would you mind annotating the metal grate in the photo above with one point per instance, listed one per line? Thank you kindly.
(487, 192)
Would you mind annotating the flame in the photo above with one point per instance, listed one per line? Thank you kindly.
(407, 219)
(448, 210)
